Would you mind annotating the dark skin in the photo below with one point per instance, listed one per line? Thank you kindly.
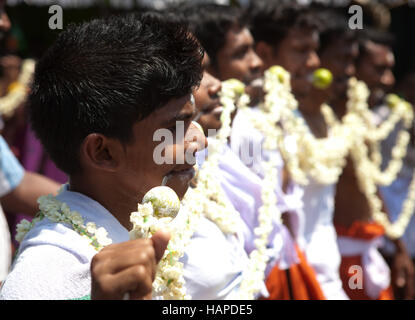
(374, 67)
(207, 100)
(346, 211)
(117, 175)
(297, 54)
(238, 59)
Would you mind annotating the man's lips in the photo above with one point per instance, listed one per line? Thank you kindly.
(183, 172)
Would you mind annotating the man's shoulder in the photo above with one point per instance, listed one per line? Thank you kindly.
(59, 236)
(52, 263)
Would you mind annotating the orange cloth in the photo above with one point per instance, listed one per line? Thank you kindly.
(301, 284)
(365, 231)
(361, 230)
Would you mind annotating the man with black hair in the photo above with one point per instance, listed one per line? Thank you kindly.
(354, 226)
(100, 93)
(223, 32)
(19, 189)
(373, 66)
(395, 194)
(287, 34)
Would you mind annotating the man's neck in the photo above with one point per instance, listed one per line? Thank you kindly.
(339, 107)
(313, 116)
(118, 204)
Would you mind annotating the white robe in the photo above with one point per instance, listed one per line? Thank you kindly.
(311, 210)
(54, 260)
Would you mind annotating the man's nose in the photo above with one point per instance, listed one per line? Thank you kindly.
(350, 70)
(387, 79)
(214, 86)
(256, 63)
(313, 61)
(195, 139)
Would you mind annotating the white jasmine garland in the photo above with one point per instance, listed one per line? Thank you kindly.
(169, 281)
(322, 159)
(367, 165)
(208, 196)
(59, 212)
(216, 206)
(275, 86)
(18, 90)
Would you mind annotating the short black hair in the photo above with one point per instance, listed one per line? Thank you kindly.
(104, 75)
(271, 20)
(210, 22)
(335, 25)
(374, 35)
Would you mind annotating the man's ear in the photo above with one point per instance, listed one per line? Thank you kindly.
(264, 51)
(101, 152)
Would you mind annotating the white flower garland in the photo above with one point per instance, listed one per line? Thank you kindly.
(216, 206)
(208, 196)
(18, 90)
(169, 281)
(275, 87)
(322, 159)
(368, 167)
(59, 212)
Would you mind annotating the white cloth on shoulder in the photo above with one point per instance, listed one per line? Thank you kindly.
(317, 235)
(244, 174)
(54, 261)
(376, 273)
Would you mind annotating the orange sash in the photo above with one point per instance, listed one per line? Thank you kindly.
(299, 282)
(366, 231)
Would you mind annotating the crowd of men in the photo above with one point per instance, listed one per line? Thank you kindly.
(105, 86)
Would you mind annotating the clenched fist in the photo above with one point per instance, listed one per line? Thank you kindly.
(127, 268)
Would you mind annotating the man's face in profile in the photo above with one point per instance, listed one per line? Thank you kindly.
(297, 54)
(238, 59)
(339, 56)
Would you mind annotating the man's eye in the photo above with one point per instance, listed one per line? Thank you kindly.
(172, 128)
(240, 53)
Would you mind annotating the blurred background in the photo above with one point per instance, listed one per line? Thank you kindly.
(30, 34)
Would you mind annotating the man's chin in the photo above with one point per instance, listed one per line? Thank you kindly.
(179, 181)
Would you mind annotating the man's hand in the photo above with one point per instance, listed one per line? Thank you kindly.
(403, 273)
(127, 267)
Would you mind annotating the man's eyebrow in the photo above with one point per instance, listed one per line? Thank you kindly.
(182, 116)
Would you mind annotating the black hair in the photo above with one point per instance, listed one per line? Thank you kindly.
(104, 75)
(210, 23)
(335, 25)
(271, 20)
(374, 35)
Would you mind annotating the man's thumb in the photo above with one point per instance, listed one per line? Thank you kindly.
(160, 240)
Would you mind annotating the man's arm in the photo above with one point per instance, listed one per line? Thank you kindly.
(24, 197)
(402, 268)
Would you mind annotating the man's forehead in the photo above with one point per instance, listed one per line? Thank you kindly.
(300, 36)
(379, 53)
(176, 109)
(237, 37)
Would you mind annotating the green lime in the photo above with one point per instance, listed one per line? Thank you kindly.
(322, 78)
